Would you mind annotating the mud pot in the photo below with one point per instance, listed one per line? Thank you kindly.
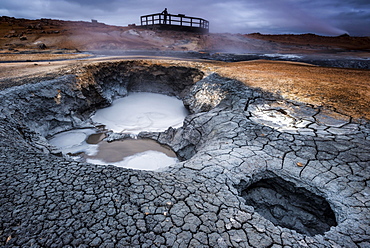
(130, 115)
(252, 169)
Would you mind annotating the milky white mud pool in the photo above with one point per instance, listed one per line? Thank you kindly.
(132, 114)
(134, 154)
(74, 142)
(142, 112)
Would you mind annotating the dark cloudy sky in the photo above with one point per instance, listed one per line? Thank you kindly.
(326, 17)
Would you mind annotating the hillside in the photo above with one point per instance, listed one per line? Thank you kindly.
(43, 34)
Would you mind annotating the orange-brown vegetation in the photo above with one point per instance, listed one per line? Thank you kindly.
(346, 90)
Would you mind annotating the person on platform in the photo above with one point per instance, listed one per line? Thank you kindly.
(164, 13)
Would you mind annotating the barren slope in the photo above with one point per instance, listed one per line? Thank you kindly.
(43, 34)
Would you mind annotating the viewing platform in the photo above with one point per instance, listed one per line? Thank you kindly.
(178, 22)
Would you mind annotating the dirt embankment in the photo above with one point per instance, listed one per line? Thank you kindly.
(17, 35)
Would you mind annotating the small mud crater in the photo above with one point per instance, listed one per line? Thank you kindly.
(289, 206)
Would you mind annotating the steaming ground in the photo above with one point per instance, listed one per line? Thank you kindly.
(132, 114)
(52, 39)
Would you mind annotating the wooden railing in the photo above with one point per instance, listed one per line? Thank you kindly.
(175, 20)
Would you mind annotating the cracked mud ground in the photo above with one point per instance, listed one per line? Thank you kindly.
(235, 137)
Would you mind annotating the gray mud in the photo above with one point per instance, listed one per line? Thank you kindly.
(235, 138)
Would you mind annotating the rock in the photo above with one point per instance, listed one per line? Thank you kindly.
(42, 46)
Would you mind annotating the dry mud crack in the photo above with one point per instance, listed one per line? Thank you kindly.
(242, 150)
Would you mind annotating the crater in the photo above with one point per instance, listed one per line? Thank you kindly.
(135, 113)
(287, 205)
(60, 112)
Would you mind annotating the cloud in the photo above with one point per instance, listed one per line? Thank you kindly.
(352, 16)
(267, 16)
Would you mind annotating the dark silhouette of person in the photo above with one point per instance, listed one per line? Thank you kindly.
(165, 13)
